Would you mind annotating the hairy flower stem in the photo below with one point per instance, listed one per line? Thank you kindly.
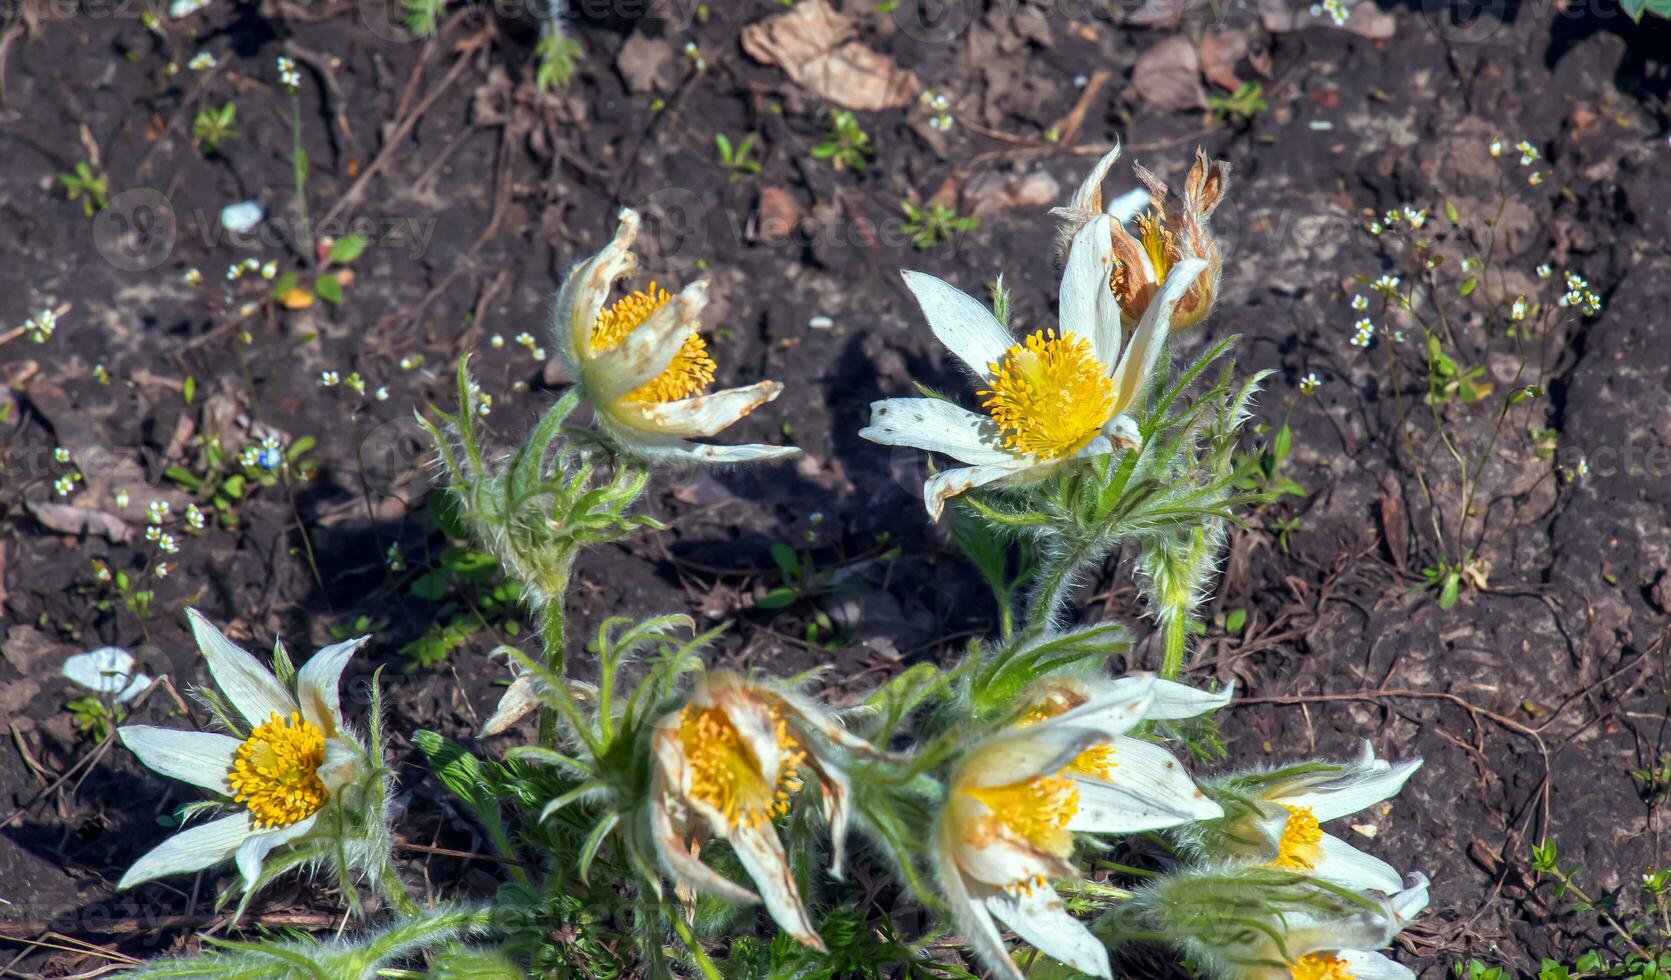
(1177, 643)
(1056, 581)
(394, 890)
(554, 624)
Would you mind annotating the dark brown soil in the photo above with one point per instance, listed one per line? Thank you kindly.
(1530, 701)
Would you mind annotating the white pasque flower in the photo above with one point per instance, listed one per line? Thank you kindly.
(296, 756)
(1305, 947)
(1057, 396)
(1019, 796)
(642, 362)
(108, 671)
(1290, 814)
(732, 757)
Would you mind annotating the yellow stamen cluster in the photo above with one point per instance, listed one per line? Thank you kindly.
(725, 774)
(1158, 242)
(1319, 966)
(691, 370)
(1297, 850)
(1049, 395)
(275, 772)
(1037, 810)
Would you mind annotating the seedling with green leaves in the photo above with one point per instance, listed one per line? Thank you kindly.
(212, 126)
(738, 160)
(82, 184)
(934, 224)
(847, 146)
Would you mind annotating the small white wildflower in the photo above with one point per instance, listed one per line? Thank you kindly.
(1360, 302)
(941, 103)
(166, 545)
(101, 571)
(269, 270)
(289, 77)
(194, 517)
(163, 568)
(526, 340)
(1387, 284)
(1399, 337)
(1535, 178)
(192, 277)
(397, 561)
(1310, 383)
(539, 353)
(201, 61)
(1363, 332)
(357, 383)
(329, 379)
(1544, 271)
(60, 455)
(410, 363)
(41, 326)
(1528, 153)
(1415, 216)
(485, 406)
(1468, 263)
(1375, 228)
(152, 533)
(101, 374)
(64, 485)
(157, 511)
(1495, 148)
(496, 341)
(1517, 311)
(121, 500)
(381, 394)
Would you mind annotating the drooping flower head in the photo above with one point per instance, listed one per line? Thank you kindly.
(731, 761)
(290, 757)
(1275, 818)
(1059, 394)
(1018, 797)
(1153, 230)
(642, 363)
(1265, 924)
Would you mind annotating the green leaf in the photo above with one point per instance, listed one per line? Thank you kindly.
(1284, 439)
(284, 285)
(1521, 394)
(786, 560)
(1448, 593)
(431, 585)
(188, 391)
(328, 289)
(299, 447)
(778, 598)
(1451, 214)
(348, 248)
(454, 766)
(233, 486)
(184, 477)
(1235, 621)
(1468, 286)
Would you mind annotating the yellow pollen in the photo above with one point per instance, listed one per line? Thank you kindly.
(1049, 395)
(1319, 966)
(275, 772)
(1037, 810)
(725, 775)
(1298, 850)
(691, 370)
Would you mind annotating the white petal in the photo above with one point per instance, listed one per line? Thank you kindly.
(1353, 792)
(1147, 789)
(1171, 701)
(192, 849)
(1098, 446)
(1129, 205)
(1019, 754)
(1088, 195)
(200, 758)
(1040, 918)
(961, 322)
(972, 919)
(1147, 340)
(661, 449)
(999, 858)
(837, 792)
(106, 670)
(1410, 902)
(341, 765)
(1115, 711)
(514, 705)
(1342, 864)
(683, 866)
(703, 415)
(1365, 965)
(1087, 306)
(939, 427)
(317, 684)
(762, 856)
(251, 688)
(1122, 432)
(585, 291)
(255, 849)
(140, 682)
(947, 484)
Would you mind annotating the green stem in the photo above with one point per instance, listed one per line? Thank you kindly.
(552, 634)
(697, 953)
(299, 167)
(1057, 580)
(1177, 642)
(394, 890)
